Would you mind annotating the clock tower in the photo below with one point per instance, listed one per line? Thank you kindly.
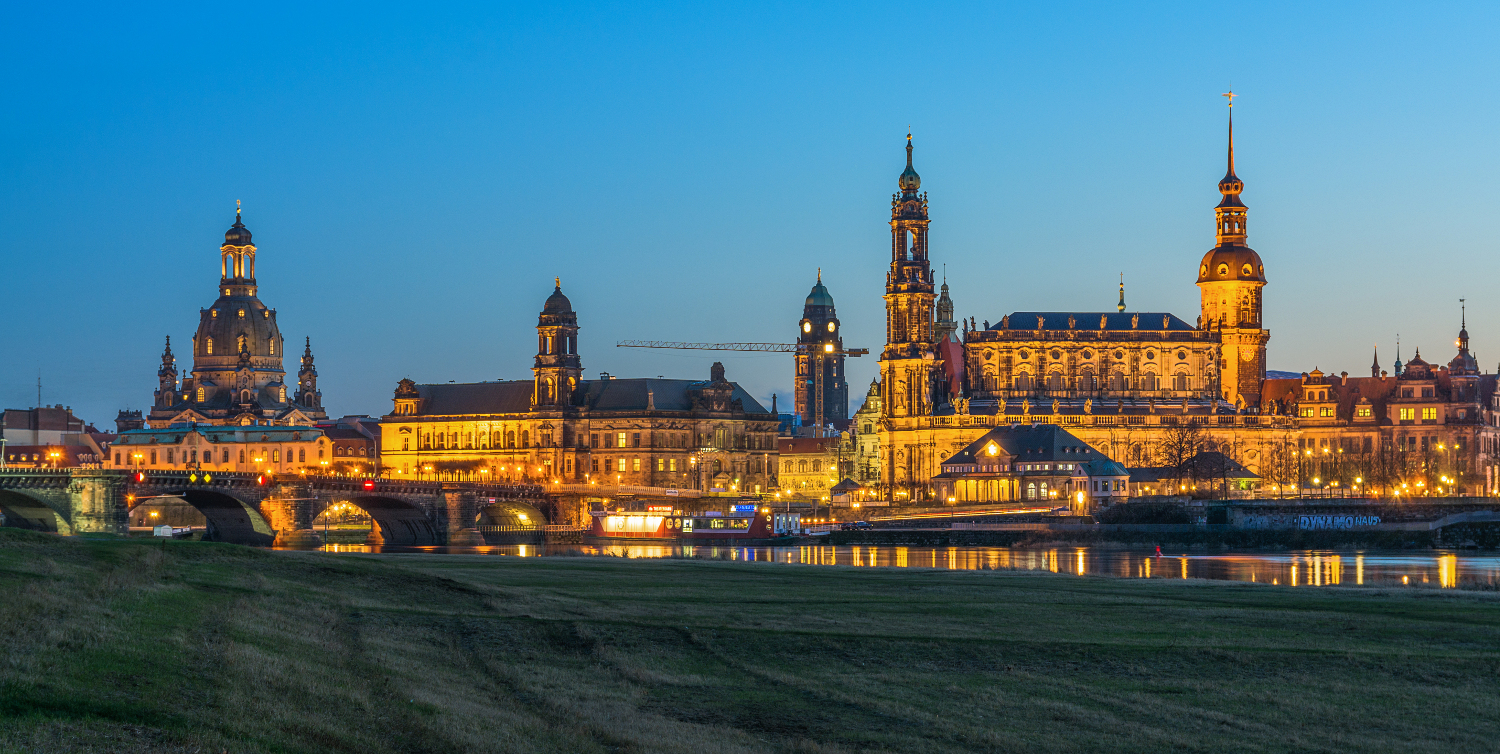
(1230, 279)
(908, 362)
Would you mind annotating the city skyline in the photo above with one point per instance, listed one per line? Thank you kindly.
(683, 223)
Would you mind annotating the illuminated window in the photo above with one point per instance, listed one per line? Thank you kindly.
(1363, 411)
(621, 465)
(1429, 414)
(275, 456)
(1408, 414)
(637, 465)
(620, 441)
(671, 464)
(271, 346)
(661, 464)
(1325, 412)
(200, 395)
(208, 346)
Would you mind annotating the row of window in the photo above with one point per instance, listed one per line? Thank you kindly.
(191, 455)
(1088, 382)
(720, 438)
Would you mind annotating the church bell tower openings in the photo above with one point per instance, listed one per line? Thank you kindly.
(1230, 279)
(557, 369)
(907, 362)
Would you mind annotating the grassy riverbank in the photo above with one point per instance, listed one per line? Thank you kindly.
(114, 645)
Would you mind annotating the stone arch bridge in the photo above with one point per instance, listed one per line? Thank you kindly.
(246, 509)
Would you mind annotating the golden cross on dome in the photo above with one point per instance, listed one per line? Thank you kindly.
(236, 208)
(1229, 95)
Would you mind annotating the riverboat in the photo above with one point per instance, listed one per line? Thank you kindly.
(742, 524)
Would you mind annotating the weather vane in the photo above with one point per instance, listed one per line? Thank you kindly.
(1229, 95)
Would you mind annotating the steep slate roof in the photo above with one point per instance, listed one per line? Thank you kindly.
(514, 396)
(1090, 321)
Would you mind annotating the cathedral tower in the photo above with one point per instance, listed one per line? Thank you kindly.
(557, 369)
(308, 393)
(1230, 279)
(822, 392)
(907, 364)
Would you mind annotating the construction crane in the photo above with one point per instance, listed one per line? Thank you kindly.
(828, 350)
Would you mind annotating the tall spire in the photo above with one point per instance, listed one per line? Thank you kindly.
(1375, 363)
(910, 181)
(1231, 211)
(1121, 306)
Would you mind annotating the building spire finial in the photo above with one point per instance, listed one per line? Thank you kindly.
(1463, 315)
(820, 276)
(1230, 95)
(1121, 306)
(557, 282)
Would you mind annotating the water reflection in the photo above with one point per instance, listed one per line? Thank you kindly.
(1307, 568)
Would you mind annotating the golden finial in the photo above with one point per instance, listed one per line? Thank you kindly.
(236, 209)
(558, 282)
(820, 276)
(1229, 95)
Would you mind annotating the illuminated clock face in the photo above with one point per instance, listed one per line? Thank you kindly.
(806, 327)
(830, 327)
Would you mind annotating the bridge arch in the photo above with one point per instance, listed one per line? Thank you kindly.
(26, 510)
(230, 519)
(510, 513)
(397, 521)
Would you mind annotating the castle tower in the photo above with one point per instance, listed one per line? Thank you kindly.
(557, 369)
(307, 380)
(1230, 279)
(822, 393)
(908, 363)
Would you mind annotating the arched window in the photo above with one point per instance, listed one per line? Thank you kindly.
(271, 346)
(208, 346)
(1117, 381)
(1087, 381)
(1023, 381)
(239, 344)
(1031, 490)
(1148, 381)
(510, 439)
(1054, 381)
(525, 439)
(1180, 381)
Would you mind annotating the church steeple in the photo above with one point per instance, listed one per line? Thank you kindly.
(909, 358)
(166, 377)
(1121, 306)
(1375, 363)
(307, 380)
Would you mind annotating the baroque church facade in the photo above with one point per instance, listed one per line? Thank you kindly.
(237, 376)
(559, 428)
(1129, 382)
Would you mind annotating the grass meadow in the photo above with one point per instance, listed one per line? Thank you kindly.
(114, 645)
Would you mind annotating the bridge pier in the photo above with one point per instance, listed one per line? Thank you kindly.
(290, 513)
(96, 500)
(461, 508)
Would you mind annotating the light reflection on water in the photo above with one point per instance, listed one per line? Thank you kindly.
(1303, 568)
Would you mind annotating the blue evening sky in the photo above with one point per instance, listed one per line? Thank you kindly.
(416, 175)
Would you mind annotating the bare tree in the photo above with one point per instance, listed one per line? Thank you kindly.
(1178, 447)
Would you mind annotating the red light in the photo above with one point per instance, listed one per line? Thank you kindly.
(369, 484)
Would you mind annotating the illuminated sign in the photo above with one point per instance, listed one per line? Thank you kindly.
(743, 508)
(659, 509)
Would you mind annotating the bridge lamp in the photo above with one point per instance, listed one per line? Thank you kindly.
(1359, 480)
(1317, 480)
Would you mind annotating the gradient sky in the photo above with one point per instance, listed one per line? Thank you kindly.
(415, 177)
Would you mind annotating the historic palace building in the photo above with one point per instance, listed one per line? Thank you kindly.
(822, 390)
(1134, 385)
(557, 427)
(237, 376)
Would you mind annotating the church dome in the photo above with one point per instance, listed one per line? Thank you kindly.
(230, 319)
(238, 234)
(1231, 263)
(557, 303)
